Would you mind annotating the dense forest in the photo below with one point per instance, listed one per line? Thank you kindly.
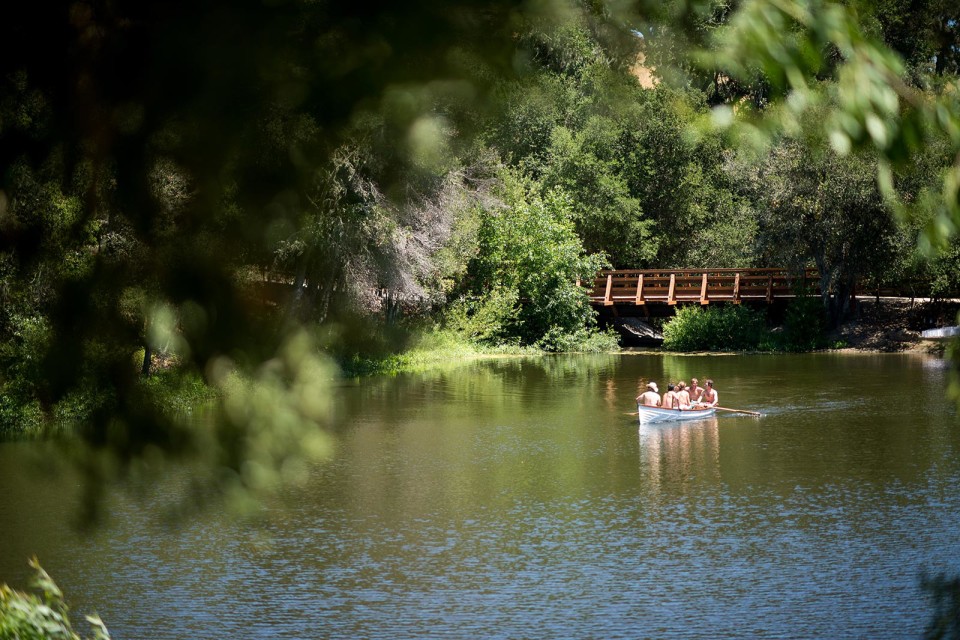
(258, 191)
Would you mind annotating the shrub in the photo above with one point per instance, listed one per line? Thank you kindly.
(527, 264)
(721, 328)
(583, 340)
(28, 616)
(805, 325)
(21, 356)
(487, 319)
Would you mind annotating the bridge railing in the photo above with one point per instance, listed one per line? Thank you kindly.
(674, 286)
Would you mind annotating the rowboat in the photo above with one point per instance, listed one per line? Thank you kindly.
(650, 415)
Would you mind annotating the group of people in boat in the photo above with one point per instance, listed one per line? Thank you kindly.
(680, 396)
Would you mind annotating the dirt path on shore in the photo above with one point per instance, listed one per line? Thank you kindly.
(895, 324)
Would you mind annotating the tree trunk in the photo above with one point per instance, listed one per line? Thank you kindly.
(843, 293)
(838, 304)
(826, 280)
(147, 357)
(941, 62)
(325, 291)
(313, 287)
(391, 308)
(293, 307)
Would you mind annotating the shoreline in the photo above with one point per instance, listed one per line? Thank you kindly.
(894, 325)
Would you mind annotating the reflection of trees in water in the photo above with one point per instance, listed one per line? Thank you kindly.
(490, 386)
(467, 435)
(554, 368)
(586, 366)
(675, 456)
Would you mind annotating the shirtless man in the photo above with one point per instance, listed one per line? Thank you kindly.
(650, 397)
(695, 391)
(670, 398)
(710, 397)
(683, 396)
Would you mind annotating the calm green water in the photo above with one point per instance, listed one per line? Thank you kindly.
(515, 499)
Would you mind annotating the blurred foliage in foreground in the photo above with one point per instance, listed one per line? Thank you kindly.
(259, 190)
(27, 616)
(944, 594)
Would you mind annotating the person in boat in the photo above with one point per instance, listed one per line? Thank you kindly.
(670, 398)
(683, 396)
(695, 391)
(709, 397)
(650, 397)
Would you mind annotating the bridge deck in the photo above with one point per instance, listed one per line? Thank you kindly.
(675, 286)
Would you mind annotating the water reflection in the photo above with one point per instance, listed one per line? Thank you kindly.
(499, 389)
(674, 455)
(513, 498)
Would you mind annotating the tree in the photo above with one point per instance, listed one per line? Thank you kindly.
(925, 32)
(528, 262)
(871, 105)
(581, 121)
(609, 218)
(817, 206)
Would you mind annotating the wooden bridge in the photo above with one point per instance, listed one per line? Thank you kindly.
(639, 288)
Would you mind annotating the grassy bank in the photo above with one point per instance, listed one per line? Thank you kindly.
(435, 347)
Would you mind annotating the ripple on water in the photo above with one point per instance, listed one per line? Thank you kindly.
(454, 509)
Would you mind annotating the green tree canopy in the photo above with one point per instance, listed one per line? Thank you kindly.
(529, 256)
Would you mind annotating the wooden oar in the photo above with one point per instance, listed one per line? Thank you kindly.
(749, 413)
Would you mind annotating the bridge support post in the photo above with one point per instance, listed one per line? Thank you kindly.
(671, 293)
(703, 290)
(607, 302)
(640, 299)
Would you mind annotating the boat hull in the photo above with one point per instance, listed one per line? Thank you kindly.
(649, 415)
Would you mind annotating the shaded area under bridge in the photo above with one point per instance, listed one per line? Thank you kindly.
(626, 298)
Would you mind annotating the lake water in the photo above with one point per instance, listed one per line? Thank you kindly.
(515, 498)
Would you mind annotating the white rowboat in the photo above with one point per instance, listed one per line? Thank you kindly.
(649, 415)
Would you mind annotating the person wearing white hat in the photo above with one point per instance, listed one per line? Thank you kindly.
(650, 397)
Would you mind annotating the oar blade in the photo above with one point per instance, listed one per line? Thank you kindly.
(743, 411)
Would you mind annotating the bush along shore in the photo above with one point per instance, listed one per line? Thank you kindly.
(879, 325)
